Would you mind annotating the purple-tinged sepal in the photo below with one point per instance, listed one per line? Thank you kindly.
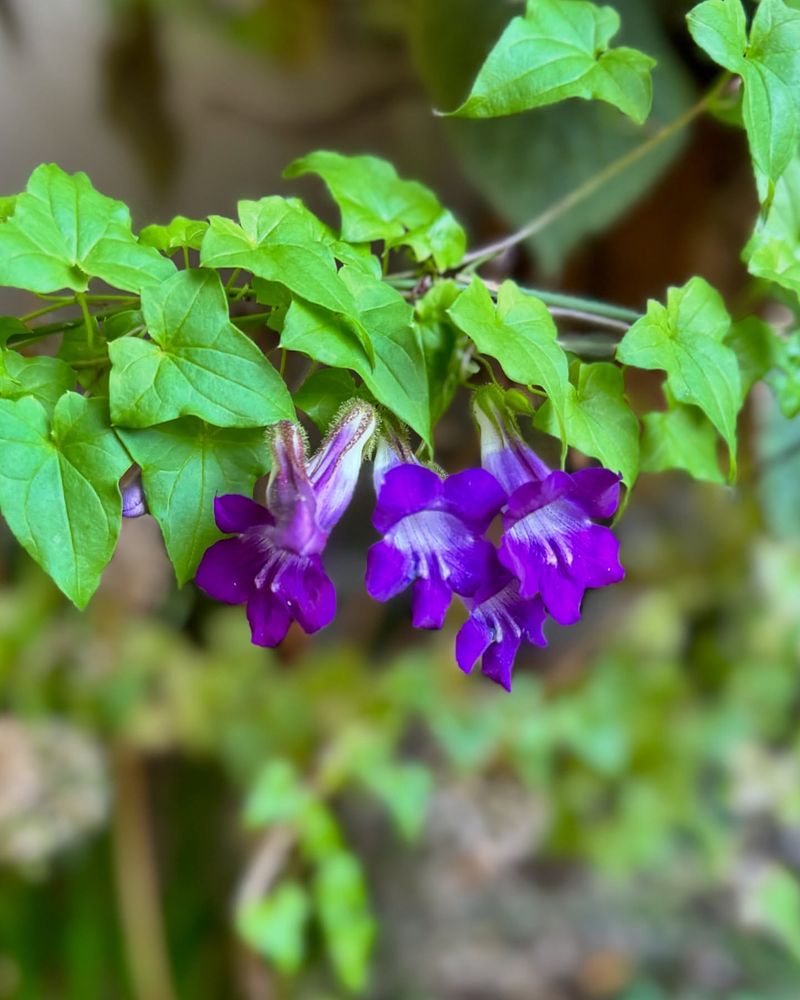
(500, 620)
(432, 528)
(274, 563)
(134, 503)
(551, 542)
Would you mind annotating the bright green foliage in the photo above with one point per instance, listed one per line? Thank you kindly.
(185, 464)
(757, 348)
(398, 378)
(7, 206)
(560, 49)
(343, 910)
(178, 234)
(279, 241)
(197, 363)
(685, 339)
(59, 487)
(768, 62)
(774, 250)
(439, 339)
(43, 378)
(275, 927)
(784, 380)
(403, 788)
(377, 205)
(520, 334)
(598, 420)
(323, 393)
(680, 438)
(63, 233)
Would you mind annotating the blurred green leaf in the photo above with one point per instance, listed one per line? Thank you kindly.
(277, 796)
(181, 232)
(774, 248)
(63, 233)
(196, 364)
(559, 50)
(681, 438)
(403, 788)
(439, 340)
(775, 905)
(276, 926)
(343, 910)
(784, 379)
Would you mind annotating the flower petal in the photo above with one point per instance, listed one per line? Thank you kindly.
(498, 660)
(228, 569)
(595, 553)
(307, 591)
(236, 513)
(562, 595)
(475, 496)
(472, 640)
(597, 491)
(429, 602)
(269, 618)
(389, 570)
(406, 490)
(334, 468)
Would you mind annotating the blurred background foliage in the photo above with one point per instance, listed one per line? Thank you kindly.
(184, 815)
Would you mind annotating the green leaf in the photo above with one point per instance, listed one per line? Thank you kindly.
(681, 438)
(59, 488)
(784, 379)
(377, 205)
(197, 363)
(179, 233)
(63, 233)
(685, 339)
(775, 905)
(278, 796)
(561, 146)
(343, 911)
(44, 378)
(774, 248)
(560, 49)
(757, 350)
(8, 204)
(439, 339)
(599, 422)
(404, 789)
(322, 394)
(520, 334)
(397, 379)
(769, 64)
(185, 464)
(280, 241)
(275, 927)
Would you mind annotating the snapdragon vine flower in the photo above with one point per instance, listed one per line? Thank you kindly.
(133, 500)
(551, 542)
(432, 530)
(274, 563)
(500, 620)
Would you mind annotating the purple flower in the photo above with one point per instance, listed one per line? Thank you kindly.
(551, 542)
(274, 564)
(133, 500)
(500, 619)
(432, 530)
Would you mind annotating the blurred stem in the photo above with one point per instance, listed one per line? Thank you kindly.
(478, 257)
(136, 881)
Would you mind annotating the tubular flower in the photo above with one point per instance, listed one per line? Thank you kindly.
(432, 530)
(551, 542)
(274, 563)
(500, 620)
(133, 501)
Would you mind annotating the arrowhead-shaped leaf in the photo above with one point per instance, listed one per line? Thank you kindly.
(63, 233)
(196, 364)
(560, 49)
(185, 464)
(59, 487)
(681, 438)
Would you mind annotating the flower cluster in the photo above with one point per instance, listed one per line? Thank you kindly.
(433, 530)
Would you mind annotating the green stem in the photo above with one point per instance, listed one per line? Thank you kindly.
(232, 280)
(87, 319)
(44, 311)
(186, 262)
(252, 318)
(478, 257)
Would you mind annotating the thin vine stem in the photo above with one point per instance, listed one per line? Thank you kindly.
(474, 260)
(87, 319)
